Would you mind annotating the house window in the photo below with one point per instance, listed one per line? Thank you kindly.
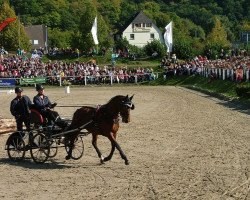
(152, 36)
(132, 36)
(138, 25)
(149, 25)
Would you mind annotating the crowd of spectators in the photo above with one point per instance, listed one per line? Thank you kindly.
(238, 64)
(18, 66)
(22, 67)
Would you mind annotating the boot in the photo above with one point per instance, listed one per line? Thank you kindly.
(62, 124)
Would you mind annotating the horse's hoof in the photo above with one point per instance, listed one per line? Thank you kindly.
(102, 160)
(67, 157)
(126, 162)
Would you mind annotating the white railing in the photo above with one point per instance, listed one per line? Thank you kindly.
(232, 74)
(107, 79)
(218, 73)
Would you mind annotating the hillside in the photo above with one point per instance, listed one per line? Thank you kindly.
(196, 22)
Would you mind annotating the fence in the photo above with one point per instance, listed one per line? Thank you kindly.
(216, 73)
(227, 74)
(87, 80)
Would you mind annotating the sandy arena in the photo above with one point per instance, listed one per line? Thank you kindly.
(181, 145)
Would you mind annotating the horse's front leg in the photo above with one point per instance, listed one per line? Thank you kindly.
(113, 142)
(94, 143)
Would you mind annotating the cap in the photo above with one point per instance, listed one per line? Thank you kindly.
(18, 89)
(39, 87)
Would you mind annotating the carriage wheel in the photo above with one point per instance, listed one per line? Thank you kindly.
(53, 148)
(16, 148)
(40, 148)
(78, 148)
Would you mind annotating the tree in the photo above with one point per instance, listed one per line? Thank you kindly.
(183, 47)
(103, 31)
(218, 35)
(60, 39)
(155, 46)
(217, 39)
(14, 33)
(245, 26)
(104, 34)
(110, 10)
(88, 16)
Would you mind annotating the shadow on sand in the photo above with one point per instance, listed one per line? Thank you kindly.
(220, 99)
(30, 164)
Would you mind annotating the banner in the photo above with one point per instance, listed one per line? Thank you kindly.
(94, 31)
(168, 37)
(7, 82)
(6, 22)
(32, 81)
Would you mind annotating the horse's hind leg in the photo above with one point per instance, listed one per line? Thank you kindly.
(94, 143)
(111, 152)
(69, 141)
(112, 149)
(70, 145)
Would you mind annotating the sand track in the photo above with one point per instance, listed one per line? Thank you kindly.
(181, 145)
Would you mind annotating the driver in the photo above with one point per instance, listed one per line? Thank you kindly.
(44, 106)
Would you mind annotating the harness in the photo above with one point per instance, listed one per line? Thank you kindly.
(98, 112)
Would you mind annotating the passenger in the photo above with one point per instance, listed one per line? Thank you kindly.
(44, 106)
(20, 109)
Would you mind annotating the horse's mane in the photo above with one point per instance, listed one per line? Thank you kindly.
(115, 97)
(96, 106)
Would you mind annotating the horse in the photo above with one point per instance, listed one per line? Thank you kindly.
(105, 122)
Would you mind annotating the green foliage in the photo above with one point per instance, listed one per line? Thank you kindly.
(183, 47)
(193, 19)
(10, 37)
(110, 10)
(155, 46)
(218, 35)
(217, 39)
(60, 39)
(121, 44)
(87, 17)
(243, 91)
(137, 51)
(103, 33)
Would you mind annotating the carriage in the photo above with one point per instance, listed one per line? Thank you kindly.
(44, 140)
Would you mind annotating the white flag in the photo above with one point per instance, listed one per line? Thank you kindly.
(94, 31)
(168, 37)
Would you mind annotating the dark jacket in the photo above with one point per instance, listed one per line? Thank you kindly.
(19, 107)
(42, 104)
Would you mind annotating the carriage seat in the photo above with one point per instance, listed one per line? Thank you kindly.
(36, 117)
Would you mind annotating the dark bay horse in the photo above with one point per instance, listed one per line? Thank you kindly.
(105, 122)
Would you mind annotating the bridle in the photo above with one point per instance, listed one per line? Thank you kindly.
(128, 104)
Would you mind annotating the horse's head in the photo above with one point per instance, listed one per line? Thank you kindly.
(126, 106)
